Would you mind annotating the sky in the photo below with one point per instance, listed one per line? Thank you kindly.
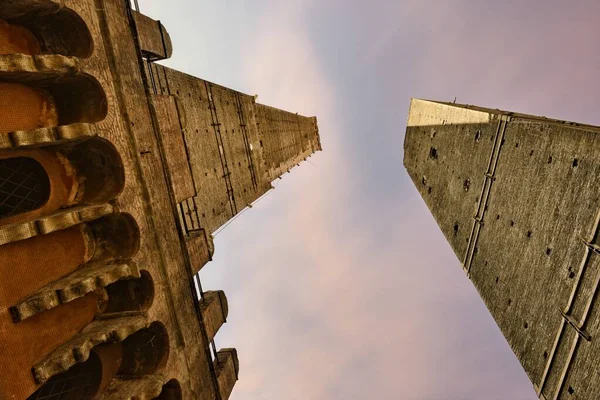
(340, 284)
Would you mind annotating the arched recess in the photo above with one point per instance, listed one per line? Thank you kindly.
(145, 352)
(58, 30)
(100, 170)
(28, 192)
(115, 237)
(171, 391)
(142, 354)
(79, 98)
(33, 100)
(16, 39)
(85, 173)
(85, 380)
(131, 294)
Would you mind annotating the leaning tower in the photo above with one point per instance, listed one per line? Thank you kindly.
(518, 199)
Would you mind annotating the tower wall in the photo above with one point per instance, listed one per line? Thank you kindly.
(517, 198)
(286, 139)
(153, 160)
(235, 147)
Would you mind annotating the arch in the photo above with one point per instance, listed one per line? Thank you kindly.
(100, 170)
(85, 173)
(15, 39)
(63, 186)
(171, 391)
(24, 186)
(80, 382)
(116, 237)
(131, 294)
(40, 100)
(145, 352)
(84, 380)
(78, 98)
(24, 107)
(59, 30)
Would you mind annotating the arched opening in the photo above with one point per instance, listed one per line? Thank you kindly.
(84, 380)
(89, 172)
(41, 101)
(100, 170)
(171, 391)
(17, 39)
(58, 30)
(142, 354)
(24, 107)
(78, 98)
(116, 237)
(24, 186)
(146, 351)
(63, 32)
(131, 294)
(28, 342)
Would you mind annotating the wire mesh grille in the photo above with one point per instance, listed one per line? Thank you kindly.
(73, 385)
(24, 186)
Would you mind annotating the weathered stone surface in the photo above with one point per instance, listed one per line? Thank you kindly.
(524, 250)
(57, 221)
(228, 369)
(286, 139)
(78, 349)
(58, 28)
(145, 388)
(155, 41)
(45, 136)
(21, 66)
(226, 133)
(75, 285)
(198, 248)
(214, 309)
(195, 126)
(167, 116)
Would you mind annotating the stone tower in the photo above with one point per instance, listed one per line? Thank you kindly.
(114, 173)
(517, 197)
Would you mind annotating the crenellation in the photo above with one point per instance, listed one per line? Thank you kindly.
(127, 168)
(214, 309)
(228, 368)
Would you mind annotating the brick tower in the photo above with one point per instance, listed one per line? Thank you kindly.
(517, 197)
(114, 173)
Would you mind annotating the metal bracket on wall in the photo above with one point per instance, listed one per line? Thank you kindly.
(221, 145)
(489, 178)
(594, 247)
(590, 248)
(571, 321)
(189, 220)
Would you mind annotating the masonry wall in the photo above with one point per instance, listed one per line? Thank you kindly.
(286, 139)
(235, 147)
(520, 232)
(129, 126)
(148, 161)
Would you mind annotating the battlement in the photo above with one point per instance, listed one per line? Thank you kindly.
(114, 172)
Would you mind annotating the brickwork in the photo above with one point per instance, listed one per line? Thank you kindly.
(135, 165)
(236, 147)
